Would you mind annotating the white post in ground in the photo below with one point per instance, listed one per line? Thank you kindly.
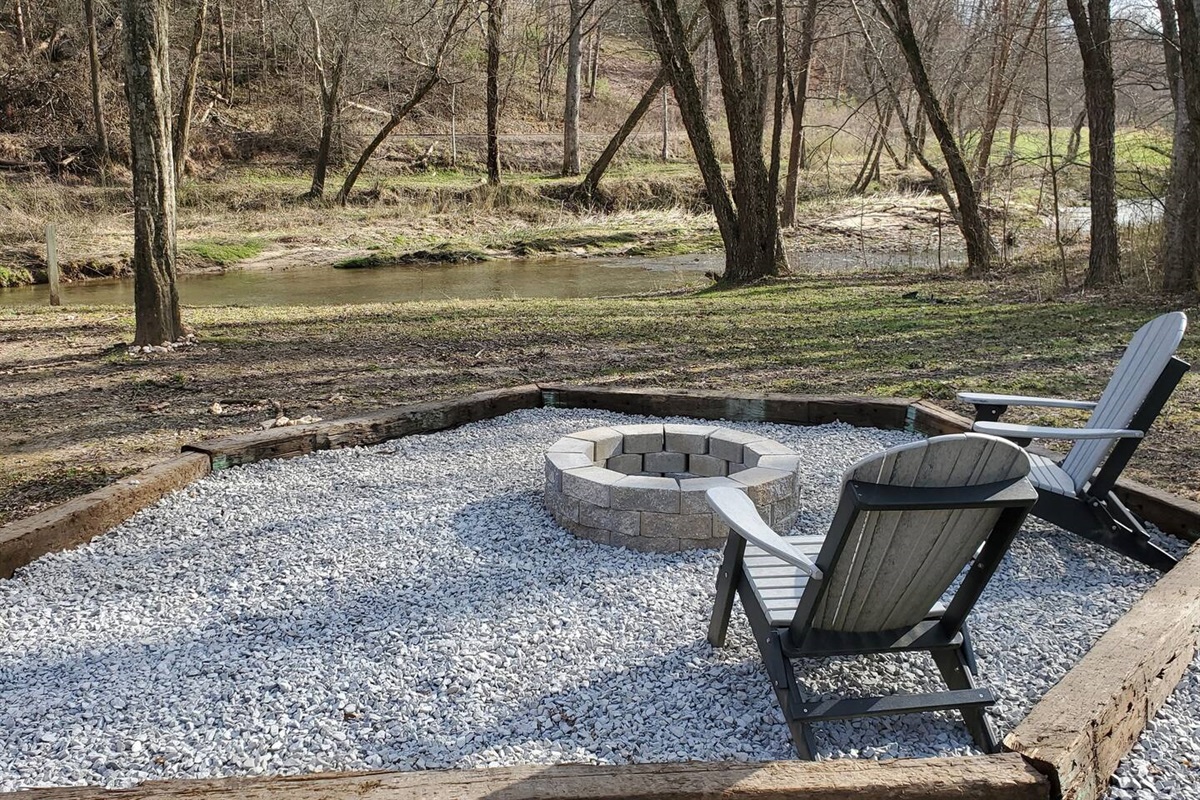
(52, 265)
(453, 125)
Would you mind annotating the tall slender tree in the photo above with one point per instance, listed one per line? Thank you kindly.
(495, 24)
(187, 99)
(570, 165)
(105, 156)
(745, 42)
(148, 89)
(1092, 20)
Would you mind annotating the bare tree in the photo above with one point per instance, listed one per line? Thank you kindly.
(747, 217)
(431, 69)
(797, 91)
(148, 89)
(1093, 31)
(495, 23)
(89, 13)
(980, 248)
(187, 98)
(329, 82)
(1181, 217)
(570, 165)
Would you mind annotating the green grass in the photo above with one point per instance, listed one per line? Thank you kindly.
(224, 253)
(14, 276)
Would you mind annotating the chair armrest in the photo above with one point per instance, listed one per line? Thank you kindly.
(983, 399)
(1010, 430)
(738, 512)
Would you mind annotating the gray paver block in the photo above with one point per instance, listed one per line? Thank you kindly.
(780, 462)
(590, 484)
(641, 438)
(707, 466)
(665, 462)
(598, 535)
(687, 438)
(557, 462)
(626, 464)
(641, 493)
(727, 444)
(691, 493)
(764, 486)
(752, 452)
(564, 509)
(569, 444)
(676, 526)
(607, 441)
(610, 519)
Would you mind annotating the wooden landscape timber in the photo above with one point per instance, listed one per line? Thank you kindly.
(84, 518)
(1079, 732)
(379, 426)
(1067, 747)
(1002, 777)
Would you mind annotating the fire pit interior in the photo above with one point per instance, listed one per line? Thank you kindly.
(642, 486)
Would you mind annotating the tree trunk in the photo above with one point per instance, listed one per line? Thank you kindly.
(22, 34)
(1095, 46)
(594, 63)
(1074, 138)
(570, 165)
(183, 127)
(797, 100)
(329, 109)
(980, 248)
(395, 119)
(148, 89)
(1181, 218)
(749, 219)
(89, 12)
(495, 11)
(223, 45)
(591, 182)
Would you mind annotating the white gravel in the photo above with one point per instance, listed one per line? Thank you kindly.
(412, 605)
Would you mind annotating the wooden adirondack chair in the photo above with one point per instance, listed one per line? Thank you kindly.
(909, 520)
(1078, 494)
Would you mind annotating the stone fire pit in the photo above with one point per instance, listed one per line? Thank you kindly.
(642, 486)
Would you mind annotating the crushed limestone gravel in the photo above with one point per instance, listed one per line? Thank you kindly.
(412, 605)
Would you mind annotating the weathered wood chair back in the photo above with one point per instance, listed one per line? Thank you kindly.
(1145, 359)
(890, 567)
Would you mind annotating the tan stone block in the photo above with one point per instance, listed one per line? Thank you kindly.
(642, 493)
(686, 438)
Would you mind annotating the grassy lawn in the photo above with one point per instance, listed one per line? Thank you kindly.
(78, 411)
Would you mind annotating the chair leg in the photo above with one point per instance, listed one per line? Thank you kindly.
(954, 664)
(727, 584)
(783, 681)
(1129, 537)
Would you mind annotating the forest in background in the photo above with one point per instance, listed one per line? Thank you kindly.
(286, 109)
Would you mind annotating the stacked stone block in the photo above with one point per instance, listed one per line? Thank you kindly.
(642, 486)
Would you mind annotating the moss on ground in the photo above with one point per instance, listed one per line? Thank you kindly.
(223, 253)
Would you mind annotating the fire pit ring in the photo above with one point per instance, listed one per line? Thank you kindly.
(642, 486)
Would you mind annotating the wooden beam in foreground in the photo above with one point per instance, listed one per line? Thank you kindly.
(1001, 777)
(84, 518)
(1084, 726)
